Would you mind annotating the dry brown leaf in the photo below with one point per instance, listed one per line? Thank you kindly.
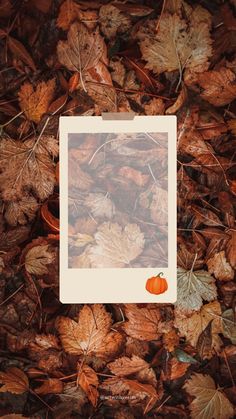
(27, 166)
(193, 288)
(219, 267)
(50, 386)
(176, 47)
(191, 327)
(139, 178)
(156, 199)
(209, 402)
(91, 334)
(118, 71)
(175, 369)
(69, 12)
(14, 416)
(156, 106)
(19, 51)
(124, 366)
(100, 205)
(37, 259)
(231, 249)
(181, 99)
(171, 340)
(136, 347)
(113, 21)
(142, 323)
(82, 50)
(22, 211)
(5, 8)
(88, 381)
(116, 247)
(14, 381)
(35, 102)
(219, 86)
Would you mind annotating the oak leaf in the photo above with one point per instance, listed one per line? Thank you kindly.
(82, 50)
(209, 402)
(136, 366)
(219, 86)
(27, 166)
(113, 21)
(193, 288)
(116, 247)
(88, 381)
(219, 267)
(143, 323)
(35, 102)
(192, 326)
(176, 46)
(14, 381)
(91, 334)
(37, 259)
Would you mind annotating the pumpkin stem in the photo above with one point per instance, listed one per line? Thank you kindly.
(160, 274)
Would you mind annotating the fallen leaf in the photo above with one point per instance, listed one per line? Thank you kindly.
(37, 259)
(181, 99)
(204, 343)
(91, 334)
(116, 247)
(113, 21)
(209, 402)
(229, 325)
(156, 106)
(69, 12)
(142, 323)
(19, 51)
(231, 249)
(170, 340)
(88, 381)
(192, 326)
(35, 102)
(139, 178)
(156, 199)
(136, 366)
(27, 166)
(100, 205)
(22, 211)
(175, 369)
(193, 288)
(176, 46)
(220, 268)
(219, 86)
(14, 381)
(50, 386)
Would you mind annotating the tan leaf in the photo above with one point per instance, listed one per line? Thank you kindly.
(100, 205)
(113, 21)
(156, 199)
(116, 247)
(219, 86)
(124, 366)
(117, 71)
(82, 50)
(139, 178)
(220, 268)
(176, 46)
(35, 102)
(192, 327)
(37, 259)
(91, 334)
(142, 322)
(193, 288)
(14, 381)
(27, 166)
(22, 211)
(50, 386)
(88, 381)
(209, 402)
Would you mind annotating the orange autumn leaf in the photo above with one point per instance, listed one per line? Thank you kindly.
(142, 323)
(88, 381)
(14, 381)
(219, 86)
(90, 334)
(34, 102)
(50, 386)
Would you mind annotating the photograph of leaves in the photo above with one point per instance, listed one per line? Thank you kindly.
(123, 361)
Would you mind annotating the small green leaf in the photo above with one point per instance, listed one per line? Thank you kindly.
(183, 356)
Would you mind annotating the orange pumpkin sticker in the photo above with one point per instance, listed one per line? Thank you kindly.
(157, 284)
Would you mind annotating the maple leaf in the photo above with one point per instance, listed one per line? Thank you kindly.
(88, 381)
(37, 259)
(14, 381)
(143, 323)
(22, 211)
(175, 46)
(113, 21)
(27, 166)
(219, 86)
(91, 334)
(209, 402)
(136, 366)
(116, 247)
(192, 326)
(35, 102)
(220, 268)
(82, 50)
(193, 288)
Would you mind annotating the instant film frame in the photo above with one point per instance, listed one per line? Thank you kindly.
(124, 284)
